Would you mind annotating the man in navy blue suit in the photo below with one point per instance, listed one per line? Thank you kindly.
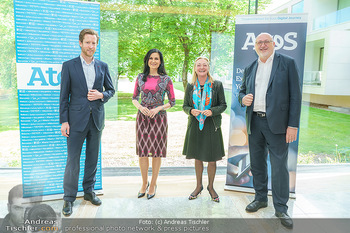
(86, 86)
(272, 93)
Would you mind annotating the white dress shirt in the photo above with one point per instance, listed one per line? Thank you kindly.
(89, 72)
(261, 82)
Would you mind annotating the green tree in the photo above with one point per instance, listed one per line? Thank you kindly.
(182, 30)
(8, 78)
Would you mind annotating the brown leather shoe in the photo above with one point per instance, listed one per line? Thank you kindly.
(92, 198)
(285, 219)
(255, 206)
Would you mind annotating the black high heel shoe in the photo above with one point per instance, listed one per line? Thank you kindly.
(150, 196)
(139, 195)
(215, 199)
(192, 196)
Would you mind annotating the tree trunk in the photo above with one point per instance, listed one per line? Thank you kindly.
(210, 44)
(185, 65)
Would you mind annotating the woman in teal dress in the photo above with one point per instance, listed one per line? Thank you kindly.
(204, 102)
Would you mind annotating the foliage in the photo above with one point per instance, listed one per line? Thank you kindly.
(14, 163)
(8, 79)
(343, 155)
(178, 86)
(182, 30)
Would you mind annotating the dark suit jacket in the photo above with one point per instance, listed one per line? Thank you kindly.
(218, 103)
(74, 106)
(283, 96)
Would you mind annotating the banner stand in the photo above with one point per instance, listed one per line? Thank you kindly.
(47, 34)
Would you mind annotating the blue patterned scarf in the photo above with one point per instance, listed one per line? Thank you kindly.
(202, 101)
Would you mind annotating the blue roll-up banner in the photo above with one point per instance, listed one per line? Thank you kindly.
(289, 34)
(47, 34)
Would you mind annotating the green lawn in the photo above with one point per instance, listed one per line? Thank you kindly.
(120, 108)
(322, 130)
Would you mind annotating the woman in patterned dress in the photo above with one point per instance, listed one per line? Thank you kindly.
(151, 120)
(204, 102)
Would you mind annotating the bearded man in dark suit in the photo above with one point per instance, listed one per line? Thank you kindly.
(272, 93)
(86, 86)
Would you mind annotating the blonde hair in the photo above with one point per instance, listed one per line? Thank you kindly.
(194, 74)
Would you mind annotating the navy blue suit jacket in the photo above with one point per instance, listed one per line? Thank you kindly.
(74, 106)
(283, 96)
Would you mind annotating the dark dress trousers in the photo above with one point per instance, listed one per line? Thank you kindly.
(268, 134)
(86, 121)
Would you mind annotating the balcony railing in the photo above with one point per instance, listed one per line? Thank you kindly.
(333, 18)
(313, 78)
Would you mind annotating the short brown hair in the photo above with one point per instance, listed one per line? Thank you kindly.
(88, 31)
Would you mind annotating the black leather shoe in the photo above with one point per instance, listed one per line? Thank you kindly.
(92, 198)
(150, 196)
(255, 206)
(67, 208)
(139, 195)
(285, 219)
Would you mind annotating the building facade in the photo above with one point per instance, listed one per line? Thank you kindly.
(327, 59)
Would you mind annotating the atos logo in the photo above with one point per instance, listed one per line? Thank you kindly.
(34, 76)
(286, 42)
(50, 78)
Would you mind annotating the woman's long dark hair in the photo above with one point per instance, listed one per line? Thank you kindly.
(161, 68)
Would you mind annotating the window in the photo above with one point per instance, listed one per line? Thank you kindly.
(320, 66)
(298, 8)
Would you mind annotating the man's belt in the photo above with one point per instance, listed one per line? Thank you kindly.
(260, 114)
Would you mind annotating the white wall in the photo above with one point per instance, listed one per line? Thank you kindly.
(337, 61)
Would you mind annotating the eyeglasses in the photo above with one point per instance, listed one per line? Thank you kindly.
(263, 42)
